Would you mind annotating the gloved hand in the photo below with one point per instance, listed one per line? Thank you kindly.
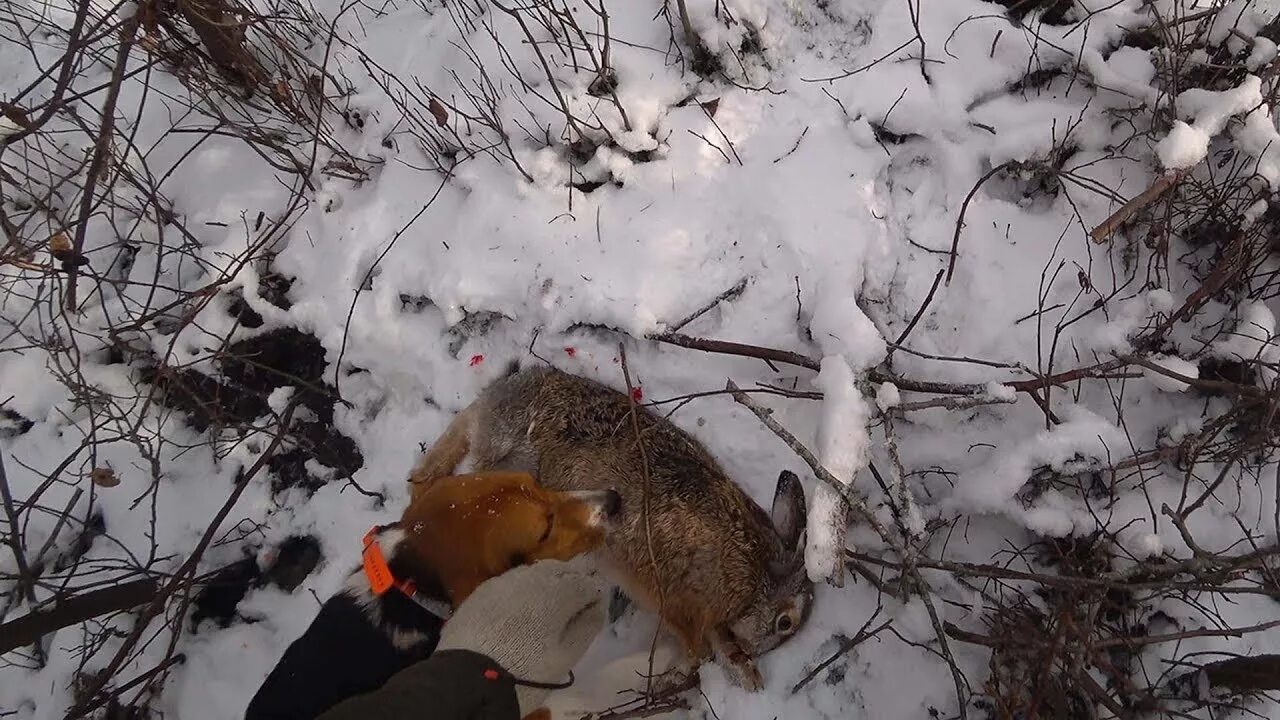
(451, 685)
(536, 621)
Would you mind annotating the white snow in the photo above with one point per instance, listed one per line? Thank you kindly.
(1083, 440)
(279, 398)
(1184, 146)
(1245, 17)
(1264, 52)
(1128, 70)
(887, 396)
(1147, 545)
(1173, 364)
(842, 447)
(841, 327)
(1001, 392)
(1259, 138)
(1188, 144)
(1160, 300)
(8, 127)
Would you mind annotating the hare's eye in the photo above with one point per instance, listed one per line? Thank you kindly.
(783, 623)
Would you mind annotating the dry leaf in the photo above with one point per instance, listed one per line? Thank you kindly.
(104, 477)
(281, 91)
(438, 112)
(59, 244)
(62, 251)
(711, 106)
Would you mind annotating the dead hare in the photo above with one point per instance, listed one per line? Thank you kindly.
(733, 581)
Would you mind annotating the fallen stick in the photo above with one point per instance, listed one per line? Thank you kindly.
(1162, 185)
(725, 347)
(770, 355)
(1243, 674)
(85, 606)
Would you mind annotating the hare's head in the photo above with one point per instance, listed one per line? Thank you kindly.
(786, 598)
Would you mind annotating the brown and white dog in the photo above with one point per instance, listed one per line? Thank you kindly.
(462, 531)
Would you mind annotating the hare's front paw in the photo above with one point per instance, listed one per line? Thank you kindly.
(738, 664)
(742, 671)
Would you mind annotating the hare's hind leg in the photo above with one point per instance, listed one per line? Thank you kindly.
(445, 454)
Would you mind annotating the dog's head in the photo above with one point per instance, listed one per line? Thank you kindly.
(470, 528)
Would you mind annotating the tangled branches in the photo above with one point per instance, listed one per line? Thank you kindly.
(117, 295)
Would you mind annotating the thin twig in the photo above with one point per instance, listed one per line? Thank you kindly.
(845, 647)
(26, 583)
(645, 517)
(964, 207)
(919, 312)
(729, 294)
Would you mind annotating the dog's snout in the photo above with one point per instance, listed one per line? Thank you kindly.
(612, 503)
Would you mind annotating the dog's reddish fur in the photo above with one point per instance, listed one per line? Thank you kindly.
(469, 528)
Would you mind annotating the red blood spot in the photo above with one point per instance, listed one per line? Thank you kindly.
(490, 674)
(476, 360)
(637, 393)
(571, 351)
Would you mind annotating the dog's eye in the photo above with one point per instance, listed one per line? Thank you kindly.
(551, 522)
(783, 623)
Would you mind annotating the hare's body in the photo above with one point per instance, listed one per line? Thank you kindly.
(730, 579)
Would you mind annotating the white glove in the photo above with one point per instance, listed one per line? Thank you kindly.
(536, 621)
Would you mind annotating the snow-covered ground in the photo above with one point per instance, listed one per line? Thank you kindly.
(829, 184)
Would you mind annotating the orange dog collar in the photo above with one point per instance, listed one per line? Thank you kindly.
(381, 579)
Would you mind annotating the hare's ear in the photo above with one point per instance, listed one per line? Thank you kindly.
(788, 510)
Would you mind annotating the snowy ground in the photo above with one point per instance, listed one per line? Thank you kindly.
(836, 201)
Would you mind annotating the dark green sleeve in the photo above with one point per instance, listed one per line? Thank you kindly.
(449, 685)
